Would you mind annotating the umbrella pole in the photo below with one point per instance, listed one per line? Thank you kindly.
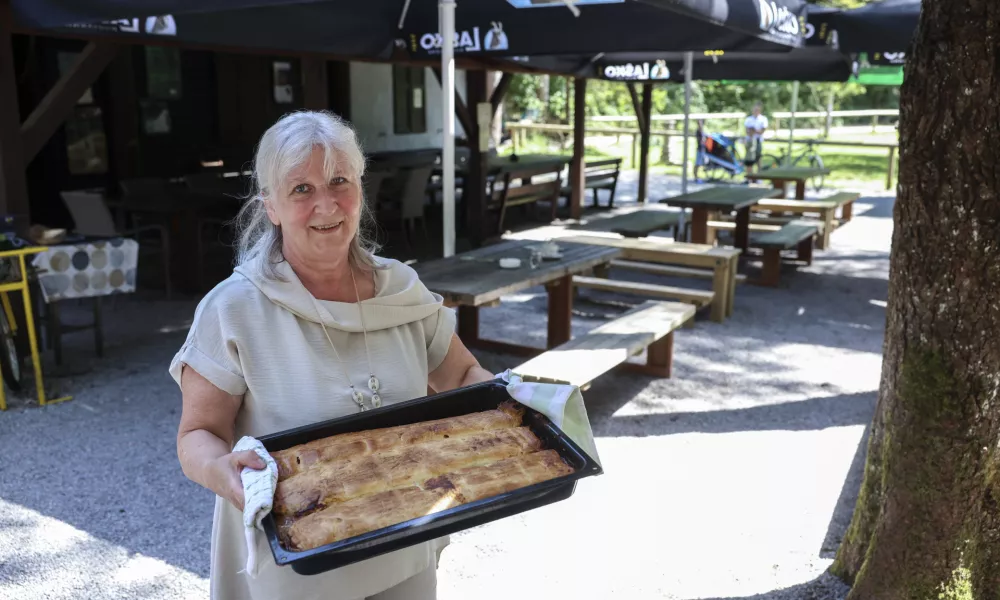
(791, 131)
(446, 14)
(688, 65)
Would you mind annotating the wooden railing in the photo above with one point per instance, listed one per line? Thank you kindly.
(520, 131)
(776, 117)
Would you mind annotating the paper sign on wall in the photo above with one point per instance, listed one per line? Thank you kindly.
(484, 117)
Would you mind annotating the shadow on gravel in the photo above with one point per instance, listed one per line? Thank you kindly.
(805, 415)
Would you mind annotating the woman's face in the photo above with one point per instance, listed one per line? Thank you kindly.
(318, 215)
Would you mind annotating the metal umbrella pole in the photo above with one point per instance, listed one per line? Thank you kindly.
(688, 66)
(446, 16)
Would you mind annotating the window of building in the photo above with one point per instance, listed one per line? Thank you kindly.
(409, 95)
(86, 143)
(163, 73)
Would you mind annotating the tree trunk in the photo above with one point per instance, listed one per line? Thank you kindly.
(927, 521)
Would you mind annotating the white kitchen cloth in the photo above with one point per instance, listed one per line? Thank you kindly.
(561, 403)
(258, 495)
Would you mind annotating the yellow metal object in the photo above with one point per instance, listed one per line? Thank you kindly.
(22, 286)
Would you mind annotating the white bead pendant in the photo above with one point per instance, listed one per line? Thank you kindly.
(376, 400)
(359, 399)
(373, 383)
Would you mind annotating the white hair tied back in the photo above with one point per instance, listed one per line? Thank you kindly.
(284, 147)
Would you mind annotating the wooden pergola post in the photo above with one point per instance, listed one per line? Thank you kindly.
(21, 142)
(643, 114)
(576, 168)
(13, 182)
(474, 189)
(315, 85)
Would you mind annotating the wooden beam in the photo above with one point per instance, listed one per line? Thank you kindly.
(636, 105)
(644, 120)
(474, 189)
(500, 91)
(461, 110)
(315, 85)
(13, 182)
(57, 105)
(576, 168)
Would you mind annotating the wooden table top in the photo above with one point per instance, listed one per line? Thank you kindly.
(788, 173)
(723, 197)
(475, 278)
(639, 223)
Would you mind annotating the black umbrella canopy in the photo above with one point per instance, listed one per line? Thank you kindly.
(55, 13)
(781, 21)
(374, 28)
(500, 28)
(800, 64)
(886, 26)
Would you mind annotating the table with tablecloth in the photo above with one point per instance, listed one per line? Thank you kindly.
(87, 269)
(91, 268)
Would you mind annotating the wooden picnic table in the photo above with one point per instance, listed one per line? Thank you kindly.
(738, 199)
(473, 280)
(780, 176)
(635, 224)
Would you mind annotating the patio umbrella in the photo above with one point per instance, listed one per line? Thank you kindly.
(886, 26)
(375, 28)
(778, 20)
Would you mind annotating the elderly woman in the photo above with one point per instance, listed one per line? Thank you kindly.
(310, 326)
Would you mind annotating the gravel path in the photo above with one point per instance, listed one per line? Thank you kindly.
(735, 479)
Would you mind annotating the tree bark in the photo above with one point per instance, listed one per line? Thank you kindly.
(927, 521)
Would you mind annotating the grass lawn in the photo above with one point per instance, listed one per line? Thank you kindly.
(847, 164)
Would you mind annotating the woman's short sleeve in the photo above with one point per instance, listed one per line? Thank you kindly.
(211, 349)
(439, 329)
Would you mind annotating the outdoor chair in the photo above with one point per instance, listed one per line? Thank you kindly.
(92, 217)
(409, 208)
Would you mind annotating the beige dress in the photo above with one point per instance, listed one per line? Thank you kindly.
(263, 339)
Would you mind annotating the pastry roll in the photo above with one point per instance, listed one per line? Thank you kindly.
(363, 443)
(353, 517)
(399, 466)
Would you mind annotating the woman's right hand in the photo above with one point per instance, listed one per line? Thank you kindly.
(225, 475)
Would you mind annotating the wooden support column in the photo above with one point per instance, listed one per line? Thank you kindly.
(474, 190)
(643, 115)
(576, 168)
(57, 105)
(315, 85)
(13, 182)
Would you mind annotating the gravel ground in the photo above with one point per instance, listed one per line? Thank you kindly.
(735, 479)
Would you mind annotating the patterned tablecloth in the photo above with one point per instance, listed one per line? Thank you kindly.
(88, 269)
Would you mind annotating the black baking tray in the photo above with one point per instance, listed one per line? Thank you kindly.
(475, 398)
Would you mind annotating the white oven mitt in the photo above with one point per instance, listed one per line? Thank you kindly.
(561, 403)
(258, 494)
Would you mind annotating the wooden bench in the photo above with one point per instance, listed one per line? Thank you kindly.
(669, 270)
(509, 195)
(650, 326)
(721, 262)
(599, 175)
(797, 234)
(825, 209)
(845, 202)
(699, 298)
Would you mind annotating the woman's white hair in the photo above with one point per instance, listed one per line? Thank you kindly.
(285, 146)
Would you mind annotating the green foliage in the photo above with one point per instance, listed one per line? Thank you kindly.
(611, 98)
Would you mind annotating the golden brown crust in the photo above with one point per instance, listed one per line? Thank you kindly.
(361, 515)
(398, 466)
(363, 443)
(476, 483)
(353, 517)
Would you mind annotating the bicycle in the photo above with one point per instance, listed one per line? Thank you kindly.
(809, 157)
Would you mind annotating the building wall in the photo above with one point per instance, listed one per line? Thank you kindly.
(371, 109)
